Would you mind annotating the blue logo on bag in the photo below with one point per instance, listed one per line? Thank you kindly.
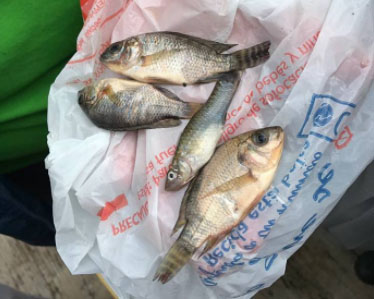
(324, 117)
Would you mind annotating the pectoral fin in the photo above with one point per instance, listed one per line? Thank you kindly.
(158, 57)
(112, 96)
(227, 187)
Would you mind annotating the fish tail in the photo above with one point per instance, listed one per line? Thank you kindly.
(190, 109)
(174, 260)
(250, 57)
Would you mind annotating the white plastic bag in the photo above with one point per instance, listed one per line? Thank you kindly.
(111, 211)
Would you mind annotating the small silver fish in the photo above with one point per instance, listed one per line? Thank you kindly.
(176, 58)
(120, 105)
(200, 137)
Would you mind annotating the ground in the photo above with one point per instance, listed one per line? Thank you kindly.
(321, 269)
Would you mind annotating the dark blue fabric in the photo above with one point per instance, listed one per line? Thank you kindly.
(26, 207)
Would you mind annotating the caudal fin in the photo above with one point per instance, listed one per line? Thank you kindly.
(250, 57)
(174, 260)
(190, 109)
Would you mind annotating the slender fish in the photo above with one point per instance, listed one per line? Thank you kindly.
(200, 137)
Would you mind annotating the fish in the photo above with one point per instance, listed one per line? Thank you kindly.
(224, 192)
(200, 137)
(175, 58)
(124, 105)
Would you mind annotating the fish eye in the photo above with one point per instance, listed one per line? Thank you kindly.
(115, 48)
(171, 175)
(260, 138)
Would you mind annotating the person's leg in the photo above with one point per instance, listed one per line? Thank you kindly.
(25, 206)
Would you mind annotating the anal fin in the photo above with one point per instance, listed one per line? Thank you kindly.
(228, 76)
(167, 93)
(182, 210)
(212, 241)
(166, 123)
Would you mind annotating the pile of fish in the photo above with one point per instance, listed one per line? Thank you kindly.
(225, 182)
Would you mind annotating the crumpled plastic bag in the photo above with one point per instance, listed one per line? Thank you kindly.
(111, 211)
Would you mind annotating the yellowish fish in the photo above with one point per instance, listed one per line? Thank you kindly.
(176, 58)
(225, 191)
(119, 105)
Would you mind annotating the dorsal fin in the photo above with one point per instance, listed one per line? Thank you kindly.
(219, 47)
(112, 96)
(227, 186)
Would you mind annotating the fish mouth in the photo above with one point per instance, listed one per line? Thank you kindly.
(103, 57)
(106, 57)
(81, 97)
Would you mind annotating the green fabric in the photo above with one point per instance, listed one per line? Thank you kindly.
(37, 39)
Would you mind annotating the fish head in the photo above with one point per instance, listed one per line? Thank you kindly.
(123, 54)
(179, 174)
(87, 96)
(260, 150)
